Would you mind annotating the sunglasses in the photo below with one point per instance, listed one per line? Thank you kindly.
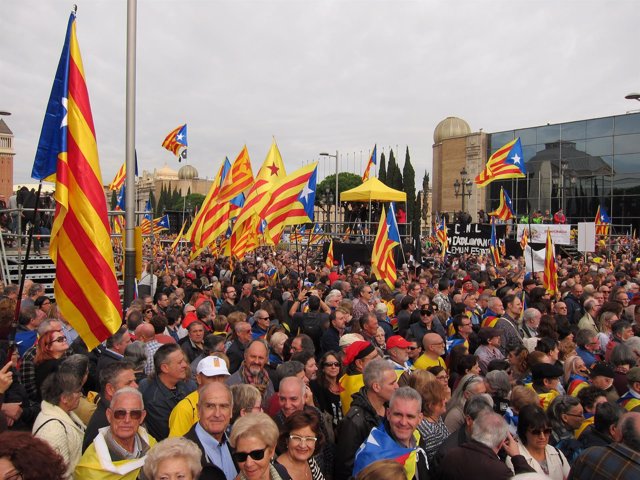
(331, 364)
(241, 457)
(58, 340)
(426, 312)
(538, 431)
(413, 348)
(133, 414)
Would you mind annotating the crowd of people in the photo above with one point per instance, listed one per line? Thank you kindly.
(227, 370)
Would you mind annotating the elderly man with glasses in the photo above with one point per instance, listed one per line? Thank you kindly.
(119, 450)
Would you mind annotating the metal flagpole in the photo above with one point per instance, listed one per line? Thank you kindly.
(129, 249)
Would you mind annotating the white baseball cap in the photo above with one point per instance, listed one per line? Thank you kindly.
(212, 367)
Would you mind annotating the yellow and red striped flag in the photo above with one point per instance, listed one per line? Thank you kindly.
(524, 240)
(506, 162)
(208, 208)
(383, 266)
(176, 140)
(603, 222)
(329, 261)
(177, 240)
(238, 179)
(85, 287)
(121, 175)
(270, 173)
(550, 276)
(372, 161)
(505, 209)
(291, 201)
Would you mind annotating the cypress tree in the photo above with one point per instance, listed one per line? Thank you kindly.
(114, 200)
(152, 201)
(391, 170)
(382, 171)
(425, 203)
(409, 186)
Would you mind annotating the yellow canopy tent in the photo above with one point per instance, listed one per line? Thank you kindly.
(373, 190)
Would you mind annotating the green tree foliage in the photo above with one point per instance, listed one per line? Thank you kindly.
(409, 186)
(152, 201)
(346, 181)
(114, 200)
(394, 176)
(382, 171)
(425, 203)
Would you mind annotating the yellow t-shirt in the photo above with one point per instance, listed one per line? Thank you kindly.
(184, 415)
(423, 362)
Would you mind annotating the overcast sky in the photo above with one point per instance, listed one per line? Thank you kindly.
(319, 75)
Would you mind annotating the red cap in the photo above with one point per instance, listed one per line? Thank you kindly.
(397, 341)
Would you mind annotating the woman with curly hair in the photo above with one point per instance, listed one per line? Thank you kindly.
(29, 458)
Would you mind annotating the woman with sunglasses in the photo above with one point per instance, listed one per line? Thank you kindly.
(300, 439)
(254, 438)
(534, 431)
(51, 347)
(325, 387)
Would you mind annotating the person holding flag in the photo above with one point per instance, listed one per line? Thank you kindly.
(382, 262)
(397, 438)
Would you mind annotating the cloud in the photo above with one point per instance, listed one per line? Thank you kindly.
(319, 75)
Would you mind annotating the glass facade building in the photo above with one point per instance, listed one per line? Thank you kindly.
(577, 166)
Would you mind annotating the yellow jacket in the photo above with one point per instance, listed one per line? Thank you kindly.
(96, 463)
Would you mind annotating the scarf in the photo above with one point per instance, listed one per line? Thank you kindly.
(260, 381)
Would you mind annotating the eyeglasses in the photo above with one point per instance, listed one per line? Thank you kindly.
(148, 311)
(538, 431)
(442, 377)
(263, 318)
(299, 439)
(581, 415)
(331, 364)
(58, 340)
(133, 414)
(241, 457)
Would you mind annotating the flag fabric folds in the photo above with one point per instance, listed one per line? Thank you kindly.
(505, 208)
(603, 222)
(441, 235)
(382, 262)
(550, 275)
(316, 234)
(372, 161)
(270, 173)
(176, 140)
(342, 265)
(291, 201)
(177, 240)
(121, 175)
(238, 179)
(379, 445)
(159, 224)
(85, 287)
(524, 240)
(506, 162)
(329, 261)
(493, 245)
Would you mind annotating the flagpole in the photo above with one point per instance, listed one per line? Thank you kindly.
(23, 275)
(533, 272)
(130, 251)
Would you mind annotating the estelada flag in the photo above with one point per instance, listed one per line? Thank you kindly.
(372, 161)
(176, 140)
(505, 210)
(506, 162)
(85, 287)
